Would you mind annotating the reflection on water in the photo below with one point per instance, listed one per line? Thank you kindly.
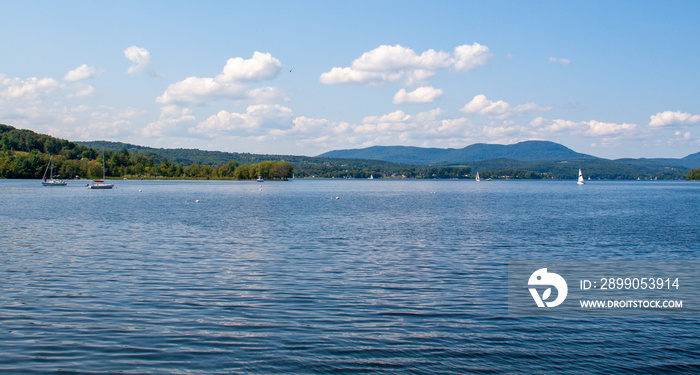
(394, 276)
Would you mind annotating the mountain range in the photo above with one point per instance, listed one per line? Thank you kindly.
(528, 151)
(523, 151)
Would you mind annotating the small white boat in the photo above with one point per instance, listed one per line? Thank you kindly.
(50, 181)
(477, 176)
(100, 184)
(260, 179)
(371, 177)
(580, 178)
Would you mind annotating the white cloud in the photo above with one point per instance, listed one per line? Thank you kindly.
(393, 58)
(590, 128)
(424, 94)
(468, 57)
(26, 89)
(256, 118)
(83, 92)
(597, 128)
(671, 119)
(170, 122)
(418, 76)
(261, 67)
(390, 63)
(269, 95)
(196, 90)
(561, 61)
(141, 59)
(82, 72)
(350, 75)
(78, 122)
(229, 84)
(684, 136)
(499, 109)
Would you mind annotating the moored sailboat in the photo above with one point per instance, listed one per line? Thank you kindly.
(50, 181)
(100, 184)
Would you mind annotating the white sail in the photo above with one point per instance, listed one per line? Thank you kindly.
(580, 178)
(477, 176)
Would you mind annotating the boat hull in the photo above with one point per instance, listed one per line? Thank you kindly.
(54, 183)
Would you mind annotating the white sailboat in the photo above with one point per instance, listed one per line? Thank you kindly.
(100, 184)
(50, 181)
(477, 176)
(580, 178)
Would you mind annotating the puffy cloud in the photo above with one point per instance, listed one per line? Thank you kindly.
(229, 84)
(590, 128)
(557, 125)
(262, 66)
(26, 89)
(500, 109)
(256, 117)
(670, 119)
(196, 90)
(78, 122)
(269, 95)
(350, 75)
(685, 136)
(561, 61)
(84, 92)
(424, 94)
(414, 77)
(392, 58)
(468, 57)
(597, 128)
(171, 119)
(141, 59)
(390, 63)
(303, 126)
(82, 72)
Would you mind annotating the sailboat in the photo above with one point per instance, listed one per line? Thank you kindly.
(580, 178)
(100, 184)
(51, 181)
(477, 176)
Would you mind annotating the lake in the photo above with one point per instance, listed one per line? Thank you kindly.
(328, 276)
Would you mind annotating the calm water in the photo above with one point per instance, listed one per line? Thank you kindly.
(392, 277)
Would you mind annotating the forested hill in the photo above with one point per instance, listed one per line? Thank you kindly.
(523, 151)
(690, 161)
(25, 154)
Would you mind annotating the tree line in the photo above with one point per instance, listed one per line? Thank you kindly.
(25, 154)
(694, 174)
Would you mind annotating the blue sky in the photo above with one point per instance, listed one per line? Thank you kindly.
(609, 78)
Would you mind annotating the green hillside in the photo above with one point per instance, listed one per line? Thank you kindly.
(25, 154)
(523, 151)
